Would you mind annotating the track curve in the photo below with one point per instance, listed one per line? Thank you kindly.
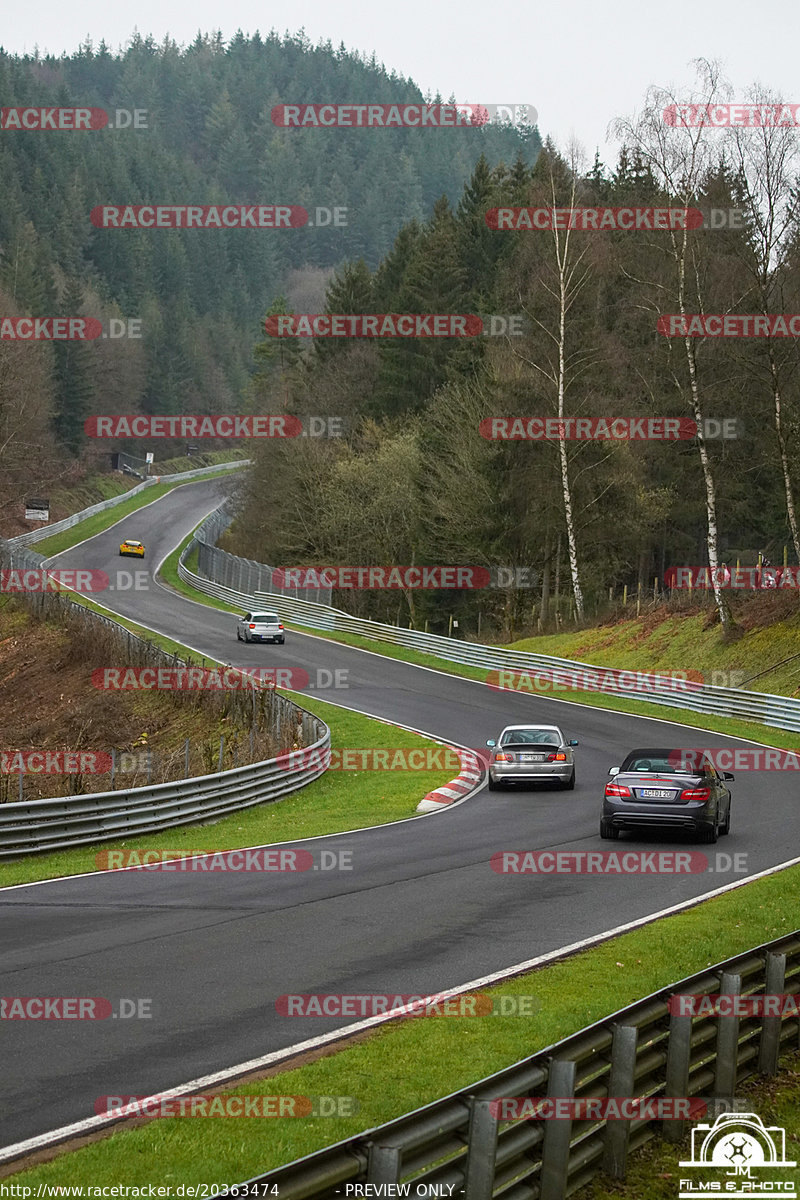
(420, 911)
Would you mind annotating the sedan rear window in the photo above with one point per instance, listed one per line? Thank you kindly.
(531, 737)
(265, 618)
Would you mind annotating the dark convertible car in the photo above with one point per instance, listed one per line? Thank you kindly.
(667, 788)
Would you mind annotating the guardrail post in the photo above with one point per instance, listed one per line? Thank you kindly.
(481, 1151)
(679, 1050)
(384, 1164)
(727, 1041)
(769, 1044)
(557, 1134)
(620, 1083)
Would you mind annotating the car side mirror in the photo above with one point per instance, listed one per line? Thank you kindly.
(613, 770)
(491, 742)
(728, 775)
(572, 743)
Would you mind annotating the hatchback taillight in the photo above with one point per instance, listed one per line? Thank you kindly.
(617, 789)
(696, 794)
(280, 627)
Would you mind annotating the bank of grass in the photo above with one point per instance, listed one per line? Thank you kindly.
(104, 520)
(415, 1061)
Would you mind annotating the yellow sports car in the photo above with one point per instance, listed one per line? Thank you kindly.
(129, 546)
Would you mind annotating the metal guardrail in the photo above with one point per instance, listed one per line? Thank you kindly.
(243, 575)
(763, 708)
(38, 825)
(46, 531)
(640, 1051)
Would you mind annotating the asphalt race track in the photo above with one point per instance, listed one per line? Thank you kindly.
(420, 911)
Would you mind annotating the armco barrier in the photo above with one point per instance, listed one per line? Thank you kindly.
(50, 824)
(763, 708)
(46, 531)
(40, 825)
(458, 1144)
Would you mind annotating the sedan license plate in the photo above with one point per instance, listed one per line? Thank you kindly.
(655, 794)
(531, 758)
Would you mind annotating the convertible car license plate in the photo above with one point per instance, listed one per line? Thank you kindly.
(532, 757)
(655, 794)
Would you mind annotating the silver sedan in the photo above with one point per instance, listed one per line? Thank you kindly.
(531, 754)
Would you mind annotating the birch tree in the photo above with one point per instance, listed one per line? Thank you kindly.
(680, 157)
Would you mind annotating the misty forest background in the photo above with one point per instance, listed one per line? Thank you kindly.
(412, 480)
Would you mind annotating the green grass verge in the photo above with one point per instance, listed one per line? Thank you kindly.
(415, 1061)
(104, 520)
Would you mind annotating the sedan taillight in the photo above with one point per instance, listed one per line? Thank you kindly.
(252, 626)
(560, 757)
(501, 756)
(617, 789)
(696, 794)
(280, 627)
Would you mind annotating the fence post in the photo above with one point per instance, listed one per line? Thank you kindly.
(384, 1164)
(727, 1042)
(186, 759)
(557, 1134)
(221, 752)
(620, 1083)
(679, 1050)
(481, 1151)
(113, 767)
(770, 1041)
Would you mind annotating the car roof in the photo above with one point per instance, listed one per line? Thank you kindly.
(533, 725)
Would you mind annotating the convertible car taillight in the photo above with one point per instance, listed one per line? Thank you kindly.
(695, 793)
(617, 789)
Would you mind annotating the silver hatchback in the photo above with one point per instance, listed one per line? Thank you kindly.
(531, 754)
